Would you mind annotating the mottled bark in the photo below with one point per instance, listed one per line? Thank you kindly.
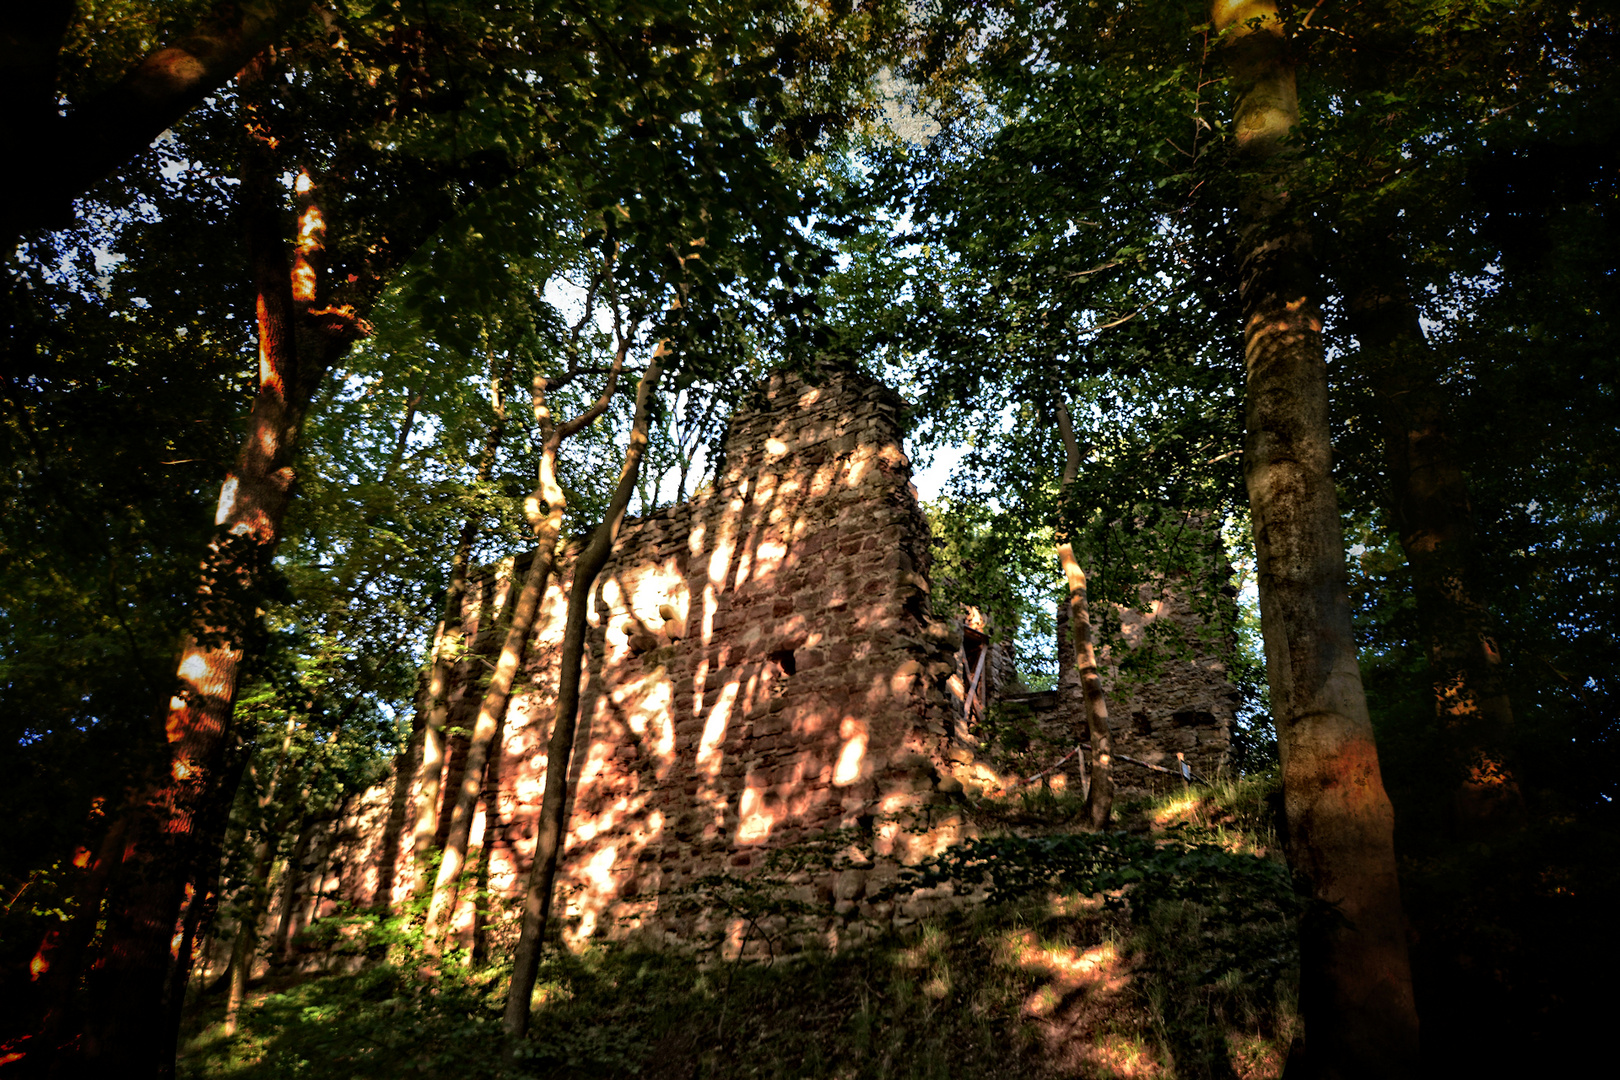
(1434, 521)
(70, 153)
(1099, 807)
(1356, 987)
(168, 837)
(545, 510)
(553, 820)
(447, 639)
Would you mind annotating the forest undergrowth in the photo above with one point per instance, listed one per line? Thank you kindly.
(1184, 966)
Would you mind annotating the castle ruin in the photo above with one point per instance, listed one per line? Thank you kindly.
(766, 665)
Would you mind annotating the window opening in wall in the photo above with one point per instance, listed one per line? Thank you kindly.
(975, 677)
(783, 659)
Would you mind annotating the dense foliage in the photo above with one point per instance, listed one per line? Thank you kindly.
(1011, 211)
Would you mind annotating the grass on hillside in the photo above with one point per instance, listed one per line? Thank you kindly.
(1194, 982)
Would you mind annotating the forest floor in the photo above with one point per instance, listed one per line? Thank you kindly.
(1052, 983)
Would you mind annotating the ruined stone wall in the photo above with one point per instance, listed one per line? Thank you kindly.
(1184, 702)
(764, 666)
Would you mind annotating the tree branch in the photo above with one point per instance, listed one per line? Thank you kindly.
(74, 152)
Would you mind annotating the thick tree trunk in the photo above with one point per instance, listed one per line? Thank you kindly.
(545, 510)
(1434, 519)
(447, 640)
(553, 821)
(167, 838)
(1099, 807)
(1356, 987)
(30, 45)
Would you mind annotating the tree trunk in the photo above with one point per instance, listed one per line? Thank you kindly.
(167, 838)
(61, 956)
(199, 912)
(281, 944)
(553, 822)
(1434, 519)
(406, 764)
(447, 640)
(1356, 986)
(246, 947)
(1100, 791)
(490, 797)
(490, 713)
(545, 510)
(326, 853)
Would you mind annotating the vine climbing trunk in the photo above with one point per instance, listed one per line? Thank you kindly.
(553, 818)
(545, 509)
(447, 639)
(1356, 987)
(1434, 521)
(1099, 807)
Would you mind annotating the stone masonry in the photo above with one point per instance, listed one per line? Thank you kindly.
(764, 666)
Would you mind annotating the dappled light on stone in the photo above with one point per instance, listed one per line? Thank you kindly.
(764, 667)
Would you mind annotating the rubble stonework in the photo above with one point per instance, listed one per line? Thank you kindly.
(764, 666)
(1183, 710)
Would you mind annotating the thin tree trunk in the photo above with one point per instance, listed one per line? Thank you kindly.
(167, 838)
(1100, 791)
(258, 885)
(1434, 520)
(1356, 986)
(553, 822)
(281, 944)
(323, 863)
(447, 640)
(490, 713)
(491, 800)
(199, 911)
(245, 949)
(399, 805)
(545, 512)
(403, 441)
